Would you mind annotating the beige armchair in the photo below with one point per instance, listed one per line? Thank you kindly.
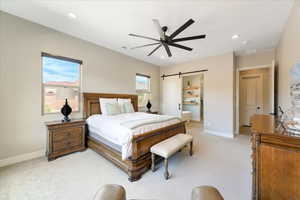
(110, 192)
(206, 193)
(117, 192)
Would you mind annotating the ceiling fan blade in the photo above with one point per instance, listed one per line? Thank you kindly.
(146, 45)
(189, 38)
(145, 37)
(154, 50)
(182, 28)
(167, 49)
(159, 29)
(181, 47)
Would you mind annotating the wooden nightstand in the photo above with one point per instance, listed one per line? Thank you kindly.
(65, 137)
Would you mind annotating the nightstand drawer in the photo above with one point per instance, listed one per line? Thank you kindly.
(66, 134)
(66, 144)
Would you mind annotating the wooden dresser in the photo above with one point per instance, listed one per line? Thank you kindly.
(276, 161)
(65, 138)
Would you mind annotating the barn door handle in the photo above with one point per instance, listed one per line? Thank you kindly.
(179, 106)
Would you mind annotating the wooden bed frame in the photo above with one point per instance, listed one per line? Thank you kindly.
(140, 161)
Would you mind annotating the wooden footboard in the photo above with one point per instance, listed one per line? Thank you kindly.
(141, 144)
(140, 161)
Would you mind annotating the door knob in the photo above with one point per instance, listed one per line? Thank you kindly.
(258, 108)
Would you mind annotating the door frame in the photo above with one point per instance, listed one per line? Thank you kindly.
(237, 89)
(202, 120)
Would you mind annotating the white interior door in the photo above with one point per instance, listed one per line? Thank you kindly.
(172, 96)
(251, 97)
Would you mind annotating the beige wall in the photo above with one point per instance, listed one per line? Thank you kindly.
(21, 42)
(288, 53)
(218, 91)
(263, 57)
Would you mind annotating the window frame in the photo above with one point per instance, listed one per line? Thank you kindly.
(43, 54)
(149, 86)
(143, 91)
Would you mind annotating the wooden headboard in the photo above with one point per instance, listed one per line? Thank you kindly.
(91, 103)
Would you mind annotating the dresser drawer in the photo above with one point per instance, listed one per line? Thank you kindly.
(66, 134)
(66, 144)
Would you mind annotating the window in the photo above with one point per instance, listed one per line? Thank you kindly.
(60, 74)
(143, 89)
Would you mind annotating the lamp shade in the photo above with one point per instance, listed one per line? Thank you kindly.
(65, 93)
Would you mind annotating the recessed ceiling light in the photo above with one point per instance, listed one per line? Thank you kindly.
(72, 15)
(245, 42)
(235, 37)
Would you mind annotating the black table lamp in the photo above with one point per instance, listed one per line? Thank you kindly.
(149, 105)
(65, 93)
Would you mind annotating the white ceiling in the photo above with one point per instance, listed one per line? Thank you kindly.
(108, 23)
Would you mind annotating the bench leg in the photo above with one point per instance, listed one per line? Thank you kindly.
(191, 148)
(153, 162)
(166, 169)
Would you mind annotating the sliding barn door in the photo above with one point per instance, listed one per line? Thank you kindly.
(172, 96)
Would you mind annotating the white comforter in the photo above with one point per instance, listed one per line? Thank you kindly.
(119, 129)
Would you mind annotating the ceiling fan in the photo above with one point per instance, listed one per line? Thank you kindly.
(168, 40)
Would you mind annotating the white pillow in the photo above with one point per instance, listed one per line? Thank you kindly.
(121, 103)
(104, 101)
(128, 107)
(113, 108)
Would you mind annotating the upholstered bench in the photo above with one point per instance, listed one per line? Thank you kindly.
(169, 147)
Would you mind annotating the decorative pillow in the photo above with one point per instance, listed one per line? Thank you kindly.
(128, 107)
(121, 103)
(104, 101)
(112, 108)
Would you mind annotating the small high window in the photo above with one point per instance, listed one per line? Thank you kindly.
(143, 89)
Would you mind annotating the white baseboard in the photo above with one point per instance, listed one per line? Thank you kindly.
(21, 158)
(222, 134)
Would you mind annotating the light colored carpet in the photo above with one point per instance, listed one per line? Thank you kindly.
(223, 163)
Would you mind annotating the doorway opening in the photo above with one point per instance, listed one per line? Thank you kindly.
(255, 95)
(192, 98)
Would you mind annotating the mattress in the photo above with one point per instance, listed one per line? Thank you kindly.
(99, 138)
(118, 130)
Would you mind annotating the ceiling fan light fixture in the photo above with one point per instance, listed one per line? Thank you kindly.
(236, 36)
